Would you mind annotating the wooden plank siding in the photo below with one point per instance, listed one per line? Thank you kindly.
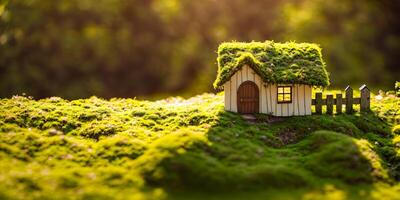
(295, 100)
(300, 98)
(234, 87)
(259, 83)
(272, 93)
(307, 98)
(227, 99)
(264, 98)
(271, 100)
(301, 95)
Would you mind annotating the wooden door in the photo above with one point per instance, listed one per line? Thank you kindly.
(248, 98)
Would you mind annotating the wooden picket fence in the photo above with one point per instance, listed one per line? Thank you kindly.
(348, 101)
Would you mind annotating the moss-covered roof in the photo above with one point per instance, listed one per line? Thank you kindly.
(289, 62)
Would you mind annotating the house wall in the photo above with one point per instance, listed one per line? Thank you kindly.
(301, 95)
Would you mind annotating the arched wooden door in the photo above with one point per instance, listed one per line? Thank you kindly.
(248, 98)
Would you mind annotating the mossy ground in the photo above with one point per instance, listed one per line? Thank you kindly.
(192, 149)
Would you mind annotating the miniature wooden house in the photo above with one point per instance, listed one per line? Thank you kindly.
(271, 78)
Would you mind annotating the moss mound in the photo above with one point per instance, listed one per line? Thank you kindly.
(290, 62)
(329, 153)
(130, 149)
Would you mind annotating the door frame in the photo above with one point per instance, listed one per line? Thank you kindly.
(257, 95)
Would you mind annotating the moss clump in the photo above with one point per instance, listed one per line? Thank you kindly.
(387, 107)
(129, 149)
(396, 130)
(329, 153)
(275, 62)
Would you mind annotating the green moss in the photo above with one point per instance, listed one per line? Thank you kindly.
(396, 129)
(328, 153)
(387, 108)
(275, 62)
(119, 147)
(130, 149)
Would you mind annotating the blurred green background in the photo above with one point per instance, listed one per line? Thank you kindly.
(154, 48)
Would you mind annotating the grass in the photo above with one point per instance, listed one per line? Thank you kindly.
(192, 149)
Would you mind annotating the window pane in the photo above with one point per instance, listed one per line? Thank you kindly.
(287, 89)
(280, 89)
(287, 97)
(280, 97)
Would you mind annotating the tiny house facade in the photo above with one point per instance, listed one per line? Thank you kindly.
(270, 78)
(246, 92)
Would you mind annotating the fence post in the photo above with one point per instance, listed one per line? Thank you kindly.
(339, 102)
(365, 98)
(349, 100)
(329, 104)
(318, 103)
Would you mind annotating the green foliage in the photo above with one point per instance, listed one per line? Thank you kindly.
(396, 130)
(130, 149)
(275, 62)
(397, 89)
(79, 48)
(343, 28)
(387, 107)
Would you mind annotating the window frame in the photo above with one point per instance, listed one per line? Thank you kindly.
(283, 93)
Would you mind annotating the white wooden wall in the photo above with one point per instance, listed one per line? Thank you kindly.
(301, 95)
